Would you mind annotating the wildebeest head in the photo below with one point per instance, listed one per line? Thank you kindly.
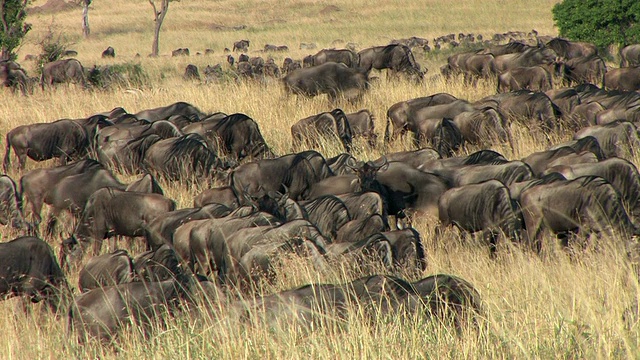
(271, 202)
(71, 252)
(367, 172)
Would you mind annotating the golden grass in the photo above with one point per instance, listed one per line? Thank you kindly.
(551, 307)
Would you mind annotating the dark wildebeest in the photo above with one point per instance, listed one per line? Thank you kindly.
(61, 71)
(397, 58)
(328, 213)
(165, 112)
(237, 135)
(442, 134)
(106, 270)
(65, 139)
(191, 73)
(587, 143)
(540, 161)
(510, 48)
(158, 265)
(111, 212)
(294, 172)
(343, 56)
(483, 127)
(311, 130)
(288, 65)
(566, 99)
(10, 204)
(630, 56)
(362, 124)
(535, 78)
(584, 206)
(585, 70)
(413, 158)
(184, 157)
(13, 76)
(109, 52)
(570, 49)
(485, 207)
(220, 195)
(242, 46)
(29, 268)
(625, 79)
(526, 106)
(530, 57)
(482, 157)
(180, 52)
(619, 138)
(478, 66)
(399, 113)
(506, 172)
(330, 78)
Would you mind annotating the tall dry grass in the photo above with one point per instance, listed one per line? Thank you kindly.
(535, 307)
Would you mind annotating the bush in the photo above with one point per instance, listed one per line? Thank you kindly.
(52, 47)
(602, 22)
(126, 75)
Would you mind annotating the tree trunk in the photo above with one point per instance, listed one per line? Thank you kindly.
(158, 18)
(85, 19)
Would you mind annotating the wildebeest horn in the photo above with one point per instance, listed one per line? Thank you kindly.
(351, 165)
(384, 163)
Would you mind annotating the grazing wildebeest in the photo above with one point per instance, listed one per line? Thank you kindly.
(442, 134)
(65, 139)
(625, 79)
(506, 172)
(311, 130)
(180, 52)
(294, 172)
(330, 78)
(343, 56)
(541, 160)
(165, 112)
(61, 71)
(485, 207)
(413, 158)
(13, 76)
(220, 195)
(328, 213)
(585, 70)
(288, 65)
(532, 56)
(10, 204)
(363, 125)
(510, 48)
(527, 106)
(483, 127)
(111, 212)
(619, 138)
(398, 58)
(158, 265)
(106, 270)
(242, 45)
(534, 78)
(630, 56)
(400, 113)
(570, 49)
(237, 135)
(29, 268)
(191, 73)
(109, 52)
(566, 99)
(583, 206)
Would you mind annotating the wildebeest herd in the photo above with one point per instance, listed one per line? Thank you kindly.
(261, 207)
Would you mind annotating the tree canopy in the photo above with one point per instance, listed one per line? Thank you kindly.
(12, 16)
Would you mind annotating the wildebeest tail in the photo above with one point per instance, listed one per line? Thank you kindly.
(7, 155)
(420, 255)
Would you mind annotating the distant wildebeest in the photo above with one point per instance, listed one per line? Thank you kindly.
(213, 73)
(288, 65)
(29, 268)
(582, 206)
(363, 125)
(242, 46)
(180, 52)
(106, 270)
(625, 79)
(327, 125)
(191, 73)
(10, 204)
(111, 212)
(165, 112)
(13, 76)
(570, 49)
(61, 71)
(109, 52)
(532, 56)
(485, 207)
(330, 78)
(630, 56)
(64, 139)
(269, 47)
(535, 78)
(397, 58)
(399, 114)
(619, 138)
(344, 56)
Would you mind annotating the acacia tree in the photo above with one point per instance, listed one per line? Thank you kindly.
(12, 15)
(85, 18)
(602, 22)
(158, 19)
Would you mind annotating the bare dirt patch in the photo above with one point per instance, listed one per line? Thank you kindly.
(53, 6)
(329, 10)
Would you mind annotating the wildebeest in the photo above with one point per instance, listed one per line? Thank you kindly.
(571, 49)
(288, 65)
(191, 73)
(66, 139)
(241, 45)
(327, 125)
(10, 204)
(619, 138)
(13, 76)
(483, 127)
(61, 71)
(399, 114)
(585, 70)
(328, 213)
(541, 160)
(221, 195)
(630, 56)
(585, 205)
(527, 106)
(343, 56)
(535, 78)
(111, 212)
(397, 58)
(485, 207)
(532, 56)
(625, 79)
(506, 172)
(29, 268)
(165, 112)
(180, 52)
(442, 134)
(106, 270)
(109, 52)
(362, 124)
(330, 78)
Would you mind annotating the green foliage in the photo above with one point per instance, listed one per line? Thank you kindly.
(13, 27)
(602, 22)
(52, 47)
(126, 75)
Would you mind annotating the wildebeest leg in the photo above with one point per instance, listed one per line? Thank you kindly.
(52, 222)
(491, 237)
(319, 262)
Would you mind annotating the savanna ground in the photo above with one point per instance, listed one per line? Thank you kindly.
(549, 307)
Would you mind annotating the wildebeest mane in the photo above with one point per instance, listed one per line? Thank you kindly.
(485, 157)
(195, 148)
